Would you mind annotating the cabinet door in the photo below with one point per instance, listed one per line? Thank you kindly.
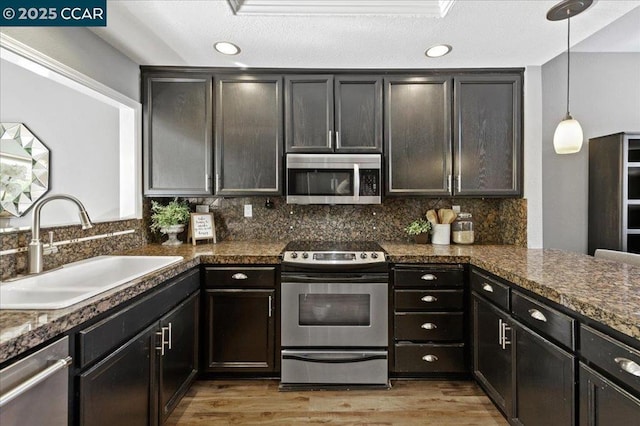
(248, 135)
(309, 113)
(544, 381)
(117, 390)
(240, 330)
(418, 135)
(492, 352)
(177, 135)
(603, 403)
(179, 359)
(358, 114)
(488, 135)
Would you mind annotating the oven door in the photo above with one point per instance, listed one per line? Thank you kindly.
(334, 313)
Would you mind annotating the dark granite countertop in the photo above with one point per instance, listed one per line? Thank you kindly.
(605, 291)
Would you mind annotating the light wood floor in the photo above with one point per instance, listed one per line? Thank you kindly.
(253, 402)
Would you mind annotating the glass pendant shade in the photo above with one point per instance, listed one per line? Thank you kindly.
(568, 136)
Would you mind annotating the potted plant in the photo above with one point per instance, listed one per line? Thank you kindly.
(170, 219)
(419, 229)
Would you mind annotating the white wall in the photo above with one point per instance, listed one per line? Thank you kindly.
(82, 134)
(605, 99)
(533, 154)
(85, 52)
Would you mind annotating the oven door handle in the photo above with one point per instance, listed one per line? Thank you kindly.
(333, 358)
(328, 279)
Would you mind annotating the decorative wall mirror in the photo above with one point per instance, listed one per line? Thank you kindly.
(24, 169)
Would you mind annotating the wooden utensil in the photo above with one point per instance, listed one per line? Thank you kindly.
(432, 217)
(446, 215)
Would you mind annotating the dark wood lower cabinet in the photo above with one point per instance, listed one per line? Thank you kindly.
(492, 352)
(604, 403)
(179, 364)
(543, 381)
(117, 390)
(140, 381)
(240, 327)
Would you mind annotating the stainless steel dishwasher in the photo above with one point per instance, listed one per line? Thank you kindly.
(35, 390)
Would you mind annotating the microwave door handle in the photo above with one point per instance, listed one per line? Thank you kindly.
(356, 182)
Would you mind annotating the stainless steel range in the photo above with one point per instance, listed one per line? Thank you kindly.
(334, 314)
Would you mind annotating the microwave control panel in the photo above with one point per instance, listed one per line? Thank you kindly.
(369, 182)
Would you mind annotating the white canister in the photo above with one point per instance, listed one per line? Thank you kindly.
(441, 234)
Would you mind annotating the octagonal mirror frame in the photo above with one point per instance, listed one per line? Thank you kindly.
(24, 169)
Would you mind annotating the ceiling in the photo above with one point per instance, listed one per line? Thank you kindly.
(483, 33)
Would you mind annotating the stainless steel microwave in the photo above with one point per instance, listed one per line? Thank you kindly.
(334, 178)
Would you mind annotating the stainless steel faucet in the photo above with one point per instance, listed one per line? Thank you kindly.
(35, 246)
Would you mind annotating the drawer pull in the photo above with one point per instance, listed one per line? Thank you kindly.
(239, 276)
(428, 277)
(430, 358)
(487, 287)
(536, 314)
(429, 326)
(628, 366)
(429, 299)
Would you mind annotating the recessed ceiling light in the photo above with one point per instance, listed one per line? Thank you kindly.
(226, 48)
(437, 51)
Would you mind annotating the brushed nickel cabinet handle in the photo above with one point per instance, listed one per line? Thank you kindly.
(487, 287)
(239, 276)
(170, 336)
(428, 277)
(270, 306)
(429, 299)
(448, 183)
(459, 183)
(430, 358)
(505, 328)
(628, 366)
(429, 326)
(163, 339)
(536, 314)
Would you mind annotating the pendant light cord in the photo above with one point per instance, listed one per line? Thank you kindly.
(568, 61)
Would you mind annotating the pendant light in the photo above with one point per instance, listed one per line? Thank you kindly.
(568, 136)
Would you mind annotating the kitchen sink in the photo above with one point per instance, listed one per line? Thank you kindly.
(78, 281)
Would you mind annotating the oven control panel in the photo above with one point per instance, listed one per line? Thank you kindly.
(334, 257)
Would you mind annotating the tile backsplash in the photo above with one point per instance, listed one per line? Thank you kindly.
(13, 264)
(497, 221)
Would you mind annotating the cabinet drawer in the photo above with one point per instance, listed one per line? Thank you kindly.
(103, 336)
(238, 276)
(437, 326)
(491, 289)
(445, 276)
(544, 319)
(424, 300)
(612, 356)
(429, 358)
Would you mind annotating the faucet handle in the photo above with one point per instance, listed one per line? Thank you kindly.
(50, 248)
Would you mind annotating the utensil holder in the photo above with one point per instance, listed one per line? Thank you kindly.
(441, 234)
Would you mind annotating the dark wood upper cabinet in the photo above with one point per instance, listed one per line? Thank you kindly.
(249, 135)
(358, 114)
(418, 135)
(326, 113)
(177, 115)
(309, 113)
(488, 135)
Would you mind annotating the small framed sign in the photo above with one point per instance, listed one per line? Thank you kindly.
(202, 227)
